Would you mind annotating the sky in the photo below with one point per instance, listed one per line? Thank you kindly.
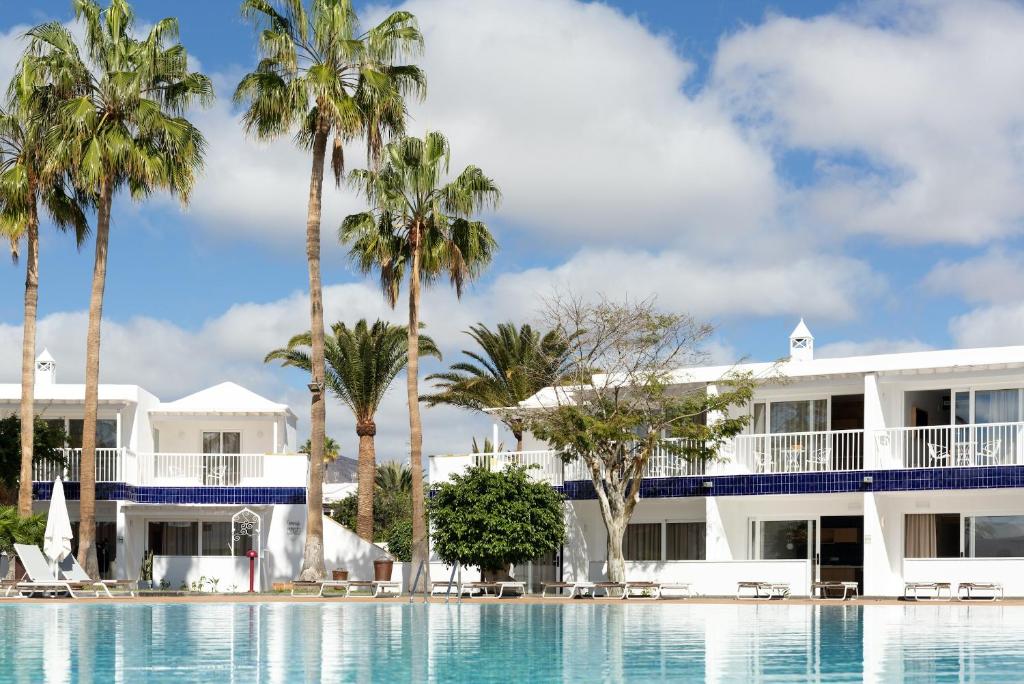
(857, 164)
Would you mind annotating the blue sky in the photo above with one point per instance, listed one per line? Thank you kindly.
(858, 164)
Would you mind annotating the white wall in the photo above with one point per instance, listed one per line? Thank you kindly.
(716, 578)
(185, 434)
(1006, 571)
(884, 530)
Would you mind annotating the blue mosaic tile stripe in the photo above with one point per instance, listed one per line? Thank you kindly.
(118, 491)
(987, 477)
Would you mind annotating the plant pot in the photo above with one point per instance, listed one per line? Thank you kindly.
(382, 568)
(339, 575)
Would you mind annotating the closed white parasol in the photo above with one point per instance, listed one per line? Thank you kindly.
(57, 540)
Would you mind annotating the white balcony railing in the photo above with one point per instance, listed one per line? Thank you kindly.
(109, 467)
(951, 446)
(183, 469)
(799, 452)
(547, 465)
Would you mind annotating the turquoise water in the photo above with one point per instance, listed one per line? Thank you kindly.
(509, 642)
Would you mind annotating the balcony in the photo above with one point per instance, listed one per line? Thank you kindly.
(183, 469)
(944, 446)
(941, 446)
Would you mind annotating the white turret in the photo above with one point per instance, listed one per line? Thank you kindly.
(46, 369)
(801, 343)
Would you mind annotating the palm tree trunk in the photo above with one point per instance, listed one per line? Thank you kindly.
(28, 357)
(420, 541)
(313, 553)
(367, 472)
(87, 478)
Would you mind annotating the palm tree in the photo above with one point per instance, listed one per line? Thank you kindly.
(331, 449)
(122, 128)
(511, 366)
(29, 179)
(393, 477)
(320, 76)
(420, 225)
(362, 362)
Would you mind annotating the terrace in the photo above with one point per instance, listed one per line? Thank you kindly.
(951, 446)
(182, 469)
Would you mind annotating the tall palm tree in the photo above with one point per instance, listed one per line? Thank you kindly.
(122, 128)
(422, 227)
(511, 366)
(362, 362)
(320, 76)
(29, 179)
(393, 477)
(331, 449)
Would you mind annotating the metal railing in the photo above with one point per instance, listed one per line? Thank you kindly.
(109, 466)
(208, 470)
(547, 465)
(182, 469)
(951, 446)
(800, 452)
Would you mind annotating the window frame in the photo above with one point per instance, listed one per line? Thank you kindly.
(663, 524)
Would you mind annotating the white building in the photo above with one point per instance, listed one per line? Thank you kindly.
(175, 477)
(878, 469)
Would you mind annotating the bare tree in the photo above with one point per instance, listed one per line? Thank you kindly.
(627, 395)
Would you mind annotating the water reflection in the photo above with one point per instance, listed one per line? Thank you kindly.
(509, 641)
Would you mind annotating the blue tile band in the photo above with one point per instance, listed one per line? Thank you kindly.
(984, 477)
(119, 491)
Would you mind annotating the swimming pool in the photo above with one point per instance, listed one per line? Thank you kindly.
(391, 642)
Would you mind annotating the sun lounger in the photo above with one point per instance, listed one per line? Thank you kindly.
(912, 590)
(376, 589)
(849, 589)
(993, 590)
(641, 590)
(444, 587)
(607, 587)
(75, 573)
(576, 589)
(497, 589)
(41, 579)
(685, 588)
(763, 590)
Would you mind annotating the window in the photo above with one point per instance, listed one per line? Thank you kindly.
(783, 540)
(177, 538)
(222, 442)
(106, 433)
(782, 417)
(192, 538)
(685, 541)
(642, 542)
(680, 540)
(931, 535)
(997, 536)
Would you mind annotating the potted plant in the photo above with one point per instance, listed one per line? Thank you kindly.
(382, 569)
(146, 571)
(339, 574)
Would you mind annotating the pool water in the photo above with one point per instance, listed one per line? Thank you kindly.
(509, 642)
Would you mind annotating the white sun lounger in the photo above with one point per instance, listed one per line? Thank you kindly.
(912, 590)
(576, 589)
(965, 591)
(763, 590)
(41, 579)
(377, 589)
(76, 574)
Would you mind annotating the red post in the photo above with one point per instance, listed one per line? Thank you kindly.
(252, 569)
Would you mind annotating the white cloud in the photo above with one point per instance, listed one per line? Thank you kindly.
(915, 110)
(997, 325)
(869, 347)
(576, 110)
(995, 276)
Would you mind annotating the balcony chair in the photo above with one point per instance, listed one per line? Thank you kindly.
(820, 459)
(989, 453)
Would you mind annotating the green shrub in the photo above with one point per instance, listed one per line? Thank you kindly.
(15, 530)
(494, 519)
(399, 540)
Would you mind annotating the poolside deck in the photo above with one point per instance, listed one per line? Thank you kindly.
(531, 599)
